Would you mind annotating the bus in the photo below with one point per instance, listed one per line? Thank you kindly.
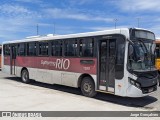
(157, 60)
(118, 61)
(157, 41)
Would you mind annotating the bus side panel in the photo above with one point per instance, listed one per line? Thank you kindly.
(18, 71)
(6, 64)
(59, 64)
(6, 69)
(65, 71)
(54, 76)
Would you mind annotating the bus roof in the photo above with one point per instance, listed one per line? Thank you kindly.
(123, 31)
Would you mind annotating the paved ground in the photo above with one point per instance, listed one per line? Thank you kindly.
(17, 96)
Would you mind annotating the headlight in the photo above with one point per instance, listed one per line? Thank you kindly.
(132, 81)
(135, 83)
(138, 85)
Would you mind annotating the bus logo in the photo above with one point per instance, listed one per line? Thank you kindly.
(58, 64)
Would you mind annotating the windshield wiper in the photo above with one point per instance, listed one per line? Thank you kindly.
(130, 41)
(148, 53)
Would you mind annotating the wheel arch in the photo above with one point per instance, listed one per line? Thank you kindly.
(24, 68)
(81, 78)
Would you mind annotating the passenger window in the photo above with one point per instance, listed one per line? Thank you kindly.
(56, 48)
(43, 48)
(6, 50)
(31, 49)
(70, 48)
(157, 51)
(21, 49)
(86, 47)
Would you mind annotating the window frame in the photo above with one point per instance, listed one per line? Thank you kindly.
(18, 49)
(39, 49)
(4, 50)
(72, 41)
(35, 48)
(60, 51)
(87, 39)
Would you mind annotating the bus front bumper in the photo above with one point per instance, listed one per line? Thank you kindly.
(133, 91)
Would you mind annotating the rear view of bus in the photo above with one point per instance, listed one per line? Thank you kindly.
(118, 61)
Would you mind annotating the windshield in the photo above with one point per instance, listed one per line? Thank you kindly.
(141, 55)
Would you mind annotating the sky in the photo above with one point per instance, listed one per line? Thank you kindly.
(19, 18)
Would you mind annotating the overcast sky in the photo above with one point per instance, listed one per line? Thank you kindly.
(19, 18)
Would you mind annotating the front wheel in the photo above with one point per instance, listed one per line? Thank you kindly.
(88, 87)
(25, 76)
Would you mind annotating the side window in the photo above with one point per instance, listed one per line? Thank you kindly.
(21, 49)
(43, 48)
(120, 54)
(31, 49)
(158, 51)
(70, 48)
(56, 46)
(86, 47)
(6, 50)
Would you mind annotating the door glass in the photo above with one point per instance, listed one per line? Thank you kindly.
(111, 64)
(103, 60)
(107, 59)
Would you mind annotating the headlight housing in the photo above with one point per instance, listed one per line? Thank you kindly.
(135, 83)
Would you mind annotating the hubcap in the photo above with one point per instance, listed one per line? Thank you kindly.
(24, 76)
(87, 87)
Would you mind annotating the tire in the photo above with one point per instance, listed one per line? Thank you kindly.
(25, 76)
(88, 87)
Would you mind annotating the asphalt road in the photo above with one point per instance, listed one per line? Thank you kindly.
(15, 95)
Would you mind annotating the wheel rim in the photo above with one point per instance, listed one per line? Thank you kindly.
(87, 87)
(24, 76)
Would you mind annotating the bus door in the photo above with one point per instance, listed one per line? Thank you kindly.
(106, 61)
(13, 60)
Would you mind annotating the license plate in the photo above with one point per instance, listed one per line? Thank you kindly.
(150, 90)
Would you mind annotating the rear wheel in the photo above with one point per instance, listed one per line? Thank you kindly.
(88, 87)
(25, 76)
